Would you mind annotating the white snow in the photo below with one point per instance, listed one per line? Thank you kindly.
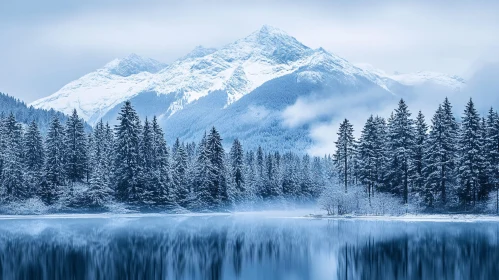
(238, 68)
(271, 214)
(418, 78)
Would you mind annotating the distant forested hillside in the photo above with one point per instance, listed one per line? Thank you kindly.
(25, 114)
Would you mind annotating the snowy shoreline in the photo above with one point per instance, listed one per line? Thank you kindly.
(268, 214)
(415, 218)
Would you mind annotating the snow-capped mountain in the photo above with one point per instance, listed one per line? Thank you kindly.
(252, 79)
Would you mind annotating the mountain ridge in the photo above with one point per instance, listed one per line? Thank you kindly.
(230, 74)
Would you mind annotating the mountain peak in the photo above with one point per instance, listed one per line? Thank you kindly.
(271, 30)
(133, 64)
(269, 42)
(199, 51)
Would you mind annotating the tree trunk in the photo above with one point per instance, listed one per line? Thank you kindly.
(346, 169)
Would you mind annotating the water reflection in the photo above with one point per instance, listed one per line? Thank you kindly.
(245, 248)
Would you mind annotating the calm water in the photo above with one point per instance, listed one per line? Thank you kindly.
(224, 247)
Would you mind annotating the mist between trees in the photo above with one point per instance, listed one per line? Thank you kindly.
(398, 165)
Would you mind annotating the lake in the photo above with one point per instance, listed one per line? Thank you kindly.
(245, 247)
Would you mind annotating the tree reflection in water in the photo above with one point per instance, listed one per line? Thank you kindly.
(245, 248)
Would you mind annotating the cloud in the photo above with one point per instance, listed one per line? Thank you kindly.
(323, 112)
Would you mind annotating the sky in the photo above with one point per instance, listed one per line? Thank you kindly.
(46, 44)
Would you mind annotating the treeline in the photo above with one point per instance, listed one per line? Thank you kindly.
(132, 164)
(25, 114)
(446, 165)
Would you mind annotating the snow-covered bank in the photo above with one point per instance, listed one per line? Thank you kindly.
(414, 217)
(283, 214)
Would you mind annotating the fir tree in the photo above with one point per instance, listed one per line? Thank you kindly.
(345, 151)
(164, 194)
(180, 175)
(76, 149)
(13, 187)
(127, 155)
(484, 185)
(469, 152)
(54, 165)
(421, 129)
(99, 192)
(237, 170)
(306, 178)
(150, 177)
(201, 196)
(260, 173)
(218, 184)
(401, 146)
(34, 158)
(492, 151)
(366, 156)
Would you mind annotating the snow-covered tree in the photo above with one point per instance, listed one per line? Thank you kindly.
(216, 155)
(492, 151)
(367, 155)
(164, 193)
(99, 192)
(345, 152)
(237, 179)
(306, 178)
(54, 162)
(180, 173)
(127, 155)
(75, 149)
(469, 155)
(421, 130)
(400, 147)
(201, 197)
(34, 158)
(12, 184)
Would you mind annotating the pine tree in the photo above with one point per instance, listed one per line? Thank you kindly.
(218, 184)
(237, 170)
(34, 158)
(276, 183)
(306, 178)
(367, 156)
(180, 175)
(13, 187)
(492, 151)
(484, 182)
(164, 194)
(380, 154)
(54, 165)
(76, 149)
(290, 183)
(421, 130)
(345, 152)
(318, 176)
(201, 196)
(150, 177)
(2, 143)
(127, 155)
(250, 176)
(99, 192)
(400, 146)
(260, 173)
(469, 153)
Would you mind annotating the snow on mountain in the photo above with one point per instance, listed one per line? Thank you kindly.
(237, 68)
(263, 72)
(411, 79)
(199, 51)
(133, 64)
